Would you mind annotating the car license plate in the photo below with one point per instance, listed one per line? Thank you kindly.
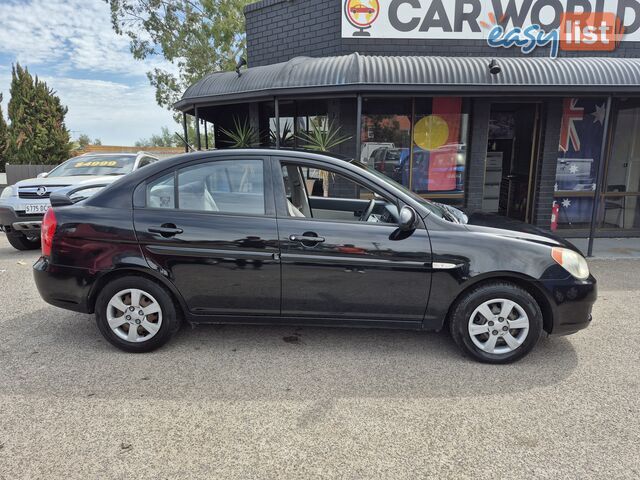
(36, 209)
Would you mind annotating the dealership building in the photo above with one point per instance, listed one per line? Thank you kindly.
(528, 109)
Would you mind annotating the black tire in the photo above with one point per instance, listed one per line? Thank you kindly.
(169, 311)
(20, 241)
(466, 305)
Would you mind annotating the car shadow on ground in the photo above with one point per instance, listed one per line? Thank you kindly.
(62, 353)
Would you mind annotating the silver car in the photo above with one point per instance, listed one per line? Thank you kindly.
(23, 205)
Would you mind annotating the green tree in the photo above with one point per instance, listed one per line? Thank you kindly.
(164, 139)
(37, 133)
(197, 36)
(84, 140)
(168, 139)
(3, 137)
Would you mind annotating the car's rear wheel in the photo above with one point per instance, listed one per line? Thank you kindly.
(496, 322)
(20, 241)
(136, 314)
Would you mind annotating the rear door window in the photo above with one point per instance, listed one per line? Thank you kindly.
(225, 186)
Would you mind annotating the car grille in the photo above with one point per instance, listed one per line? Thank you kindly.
(32, 192)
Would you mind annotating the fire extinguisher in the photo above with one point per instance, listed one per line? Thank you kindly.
(555, 211)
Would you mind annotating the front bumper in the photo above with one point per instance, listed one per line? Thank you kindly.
(11, 219)
(572, 301)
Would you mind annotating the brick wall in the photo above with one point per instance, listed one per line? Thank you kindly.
(278, 30)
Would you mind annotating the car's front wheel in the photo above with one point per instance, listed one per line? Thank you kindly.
(136, 314)
(20, 241)
(496, 322)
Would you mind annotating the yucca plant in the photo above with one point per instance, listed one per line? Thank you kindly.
(323, 140)
(286, 136)
(243, 134)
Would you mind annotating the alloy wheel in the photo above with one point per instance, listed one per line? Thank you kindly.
(134, 315)
(498, 326)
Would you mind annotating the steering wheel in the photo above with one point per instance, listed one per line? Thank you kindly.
(368, 211)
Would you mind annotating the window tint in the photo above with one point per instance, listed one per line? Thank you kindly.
(160, 193)
(229, 186)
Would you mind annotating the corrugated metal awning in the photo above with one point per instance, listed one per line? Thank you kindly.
(360, 73)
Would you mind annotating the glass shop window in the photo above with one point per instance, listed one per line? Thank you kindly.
(298, 119)
(439, 147)
(581, 135)
(386, 135)
(420, 143)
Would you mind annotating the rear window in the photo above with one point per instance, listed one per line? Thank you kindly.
(95, 165)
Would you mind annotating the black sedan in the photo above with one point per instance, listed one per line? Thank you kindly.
(272, 237)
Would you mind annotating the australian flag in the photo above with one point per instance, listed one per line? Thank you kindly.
(578, 157)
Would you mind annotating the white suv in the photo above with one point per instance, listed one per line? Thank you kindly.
(23, 205)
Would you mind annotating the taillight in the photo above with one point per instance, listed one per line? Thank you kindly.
(48, 230)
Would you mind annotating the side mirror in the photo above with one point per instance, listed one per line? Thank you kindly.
(43, 175)
(408, 219)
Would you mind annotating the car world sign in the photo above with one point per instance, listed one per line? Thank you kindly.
(524, 24)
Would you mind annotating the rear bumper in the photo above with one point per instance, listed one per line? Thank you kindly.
(572, 301)
(11, 220)
(64, 287)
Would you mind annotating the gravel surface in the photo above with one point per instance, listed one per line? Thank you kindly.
(284, 402)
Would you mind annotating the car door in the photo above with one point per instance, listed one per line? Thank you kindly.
(338, 268)
(210, 227)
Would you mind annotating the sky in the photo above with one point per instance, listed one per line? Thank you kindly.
(70, 44)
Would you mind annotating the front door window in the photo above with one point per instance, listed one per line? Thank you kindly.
(326, 195)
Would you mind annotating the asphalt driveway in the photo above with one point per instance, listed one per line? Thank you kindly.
(257, 402)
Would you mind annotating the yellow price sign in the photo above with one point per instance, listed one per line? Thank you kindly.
(97, 163)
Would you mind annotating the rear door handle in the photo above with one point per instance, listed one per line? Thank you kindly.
(166, 231)
(304, 238)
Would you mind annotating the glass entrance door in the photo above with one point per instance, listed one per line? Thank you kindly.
(620, 208)
(512, 152)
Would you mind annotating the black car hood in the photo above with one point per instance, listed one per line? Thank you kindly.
(507, 227)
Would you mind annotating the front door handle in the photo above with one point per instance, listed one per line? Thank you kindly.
(166, 230)
(306, 239)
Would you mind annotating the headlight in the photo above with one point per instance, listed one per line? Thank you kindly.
(572, 262)
(7, 192)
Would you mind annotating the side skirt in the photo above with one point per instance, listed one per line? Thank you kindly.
(301, 321)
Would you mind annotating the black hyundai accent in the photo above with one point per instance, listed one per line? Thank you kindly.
(273, 237)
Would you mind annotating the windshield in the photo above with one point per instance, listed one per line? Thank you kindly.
(95, 165)
(434, 208)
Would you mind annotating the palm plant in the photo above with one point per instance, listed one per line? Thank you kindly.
(323, 139)
(243, 134)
